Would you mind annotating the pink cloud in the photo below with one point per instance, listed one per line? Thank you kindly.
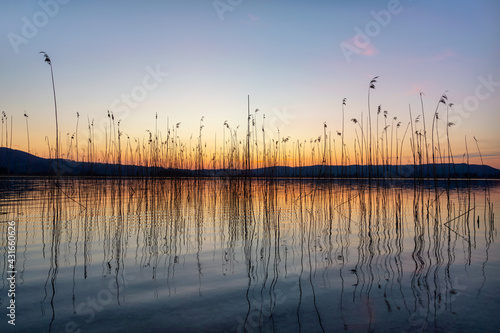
(368, 49)
(420, 87)
(443, 55)
(253, 18)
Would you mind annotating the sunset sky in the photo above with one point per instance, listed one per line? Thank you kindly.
(296, 59)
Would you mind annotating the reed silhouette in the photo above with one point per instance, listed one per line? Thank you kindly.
(49, 62)
(374, 152)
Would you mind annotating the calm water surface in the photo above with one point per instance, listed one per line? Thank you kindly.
(239, 256)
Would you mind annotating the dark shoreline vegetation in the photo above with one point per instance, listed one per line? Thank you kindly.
(18, 163)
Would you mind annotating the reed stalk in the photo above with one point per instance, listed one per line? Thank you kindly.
(49, 62)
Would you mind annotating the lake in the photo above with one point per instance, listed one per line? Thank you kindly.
(235, 255)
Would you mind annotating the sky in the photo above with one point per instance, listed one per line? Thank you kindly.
(297, 60)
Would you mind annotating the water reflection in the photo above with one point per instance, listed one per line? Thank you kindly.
(252, 255)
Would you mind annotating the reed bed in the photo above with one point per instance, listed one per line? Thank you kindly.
(372, 153)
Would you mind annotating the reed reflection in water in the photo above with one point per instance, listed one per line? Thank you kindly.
(219, 255)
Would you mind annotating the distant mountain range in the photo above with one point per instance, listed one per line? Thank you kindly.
(16, 162)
